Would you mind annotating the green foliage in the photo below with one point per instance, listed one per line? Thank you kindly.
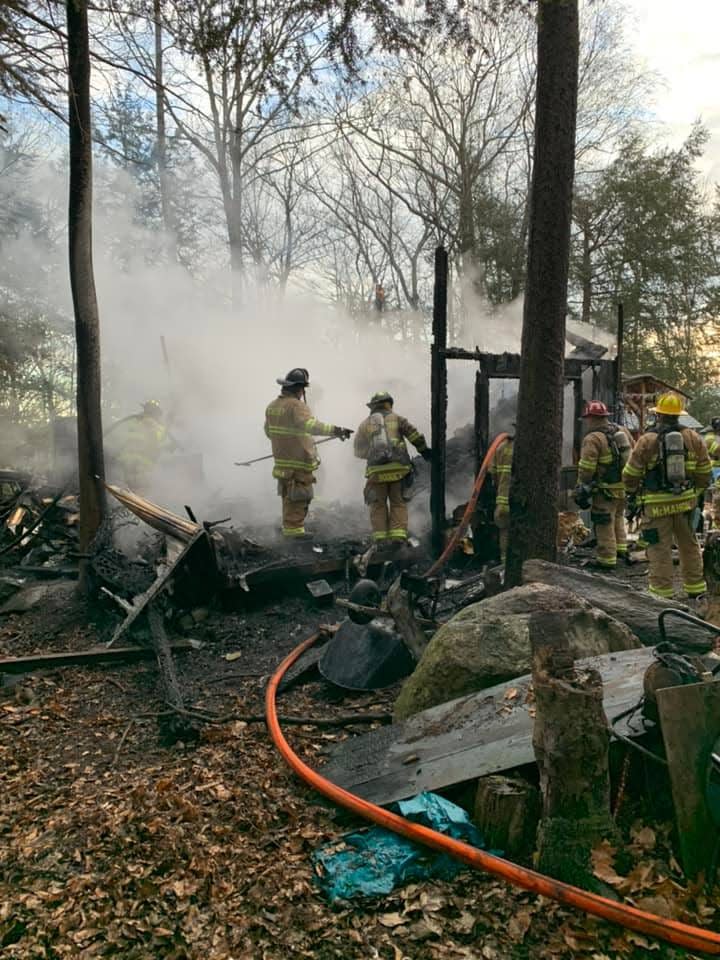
(647, 237)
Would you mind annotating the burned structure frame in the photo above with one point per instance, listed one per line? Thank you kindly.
(586, 356)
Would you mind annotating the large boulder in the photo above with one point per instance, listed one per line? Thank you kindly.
(489, 642)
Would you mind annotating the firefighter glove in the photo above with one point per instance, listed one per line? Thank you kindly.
(427, 454)
(631, 506)
(342, 433)
(582, 495)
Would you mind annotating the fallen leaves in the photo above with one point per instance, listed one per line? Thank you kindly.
(205, 854)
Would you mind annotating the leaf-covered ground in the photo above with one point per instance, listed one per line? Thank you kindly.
(112, 845)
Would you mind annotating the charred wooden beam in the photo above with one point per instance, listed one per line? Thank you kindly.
(83, 658)
(617, 406)
(482, 414)
(438, 401)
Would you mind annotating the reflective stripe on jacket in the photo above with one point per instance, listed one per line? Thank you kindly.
(596, 461)
(398, 431)
(500, 471)
(644, 458)
(290, 425)
(713, 446)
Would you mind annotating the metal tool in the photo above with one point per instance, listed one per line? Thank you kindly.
(249, 463)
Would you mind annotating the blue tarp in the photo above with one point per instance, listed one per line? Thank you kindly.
(375, 861)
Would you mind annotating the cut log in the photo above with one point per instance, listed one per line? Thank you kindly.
(570, 741)
(626, 603)
(398, 604)
(507, 811)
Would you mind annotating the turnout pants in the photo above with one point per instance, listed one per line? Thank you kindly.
(658, 534)
(502, 522)
(297, 494)
(388, 510)
(608, 519)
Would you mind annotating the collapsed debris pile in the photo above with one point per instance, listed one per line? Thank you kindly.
(38, 526)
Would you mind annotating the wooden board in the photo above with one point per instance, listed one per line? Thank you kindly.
(690, 721)
(626, 603)
(82, 658)
(486, 732)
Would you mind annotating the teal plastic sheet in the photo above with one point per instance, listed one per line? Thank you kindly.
(374, 862)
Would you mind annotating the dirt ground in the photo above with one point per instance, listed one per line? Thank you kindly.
(112, 844)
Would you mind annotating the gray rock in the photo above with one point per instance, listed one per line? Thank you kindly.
(489, 642)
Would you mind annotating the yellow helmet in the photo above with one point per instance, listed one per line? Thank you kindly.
(670, 405)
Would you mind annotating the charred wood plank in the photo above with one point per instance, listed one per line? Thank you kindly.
(155, 516)
(438, 400)
(83, 658)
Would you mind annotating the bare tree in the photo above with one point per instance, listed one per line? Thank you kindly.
(536, 470)
(82, 280)
(437, 122)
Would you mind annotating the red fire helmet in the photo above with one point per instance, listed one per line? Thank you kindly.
(596, 408)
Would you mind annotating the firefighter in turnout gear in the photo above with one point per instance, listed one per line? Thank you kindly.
(290, 425)
(380, 440)
(137, 445)
(667, 472)
(605, 451)
(500, 470)
(711, 436)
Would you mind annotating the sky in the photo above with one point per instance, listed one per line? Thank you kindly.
(681, 42)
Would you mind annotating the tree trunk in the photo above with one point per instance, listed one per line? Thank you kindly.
(538, 447)
(234, 212)
(161, 134)
(570, 740)
(91, 466)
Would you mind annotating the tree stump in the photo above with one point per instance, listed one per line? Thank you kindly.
(507, 811)
(570, 740)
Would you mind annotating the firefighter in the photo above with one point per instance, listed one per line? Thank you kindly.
(380, 440)
(605, 451)
(290, 425)
(712, 441)
(138, 444)
(500, 470)
(667, 472)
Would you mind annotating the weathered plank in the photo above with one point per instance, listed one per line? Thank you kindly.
(486, 732)
(81, 658)
(636, 608)
(690, 722)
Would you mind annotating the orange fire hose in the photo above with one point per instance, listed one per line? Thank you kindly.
(679, 934)
(470, 508)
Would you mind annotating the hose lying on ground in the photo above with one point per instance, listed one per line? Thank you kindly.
(459, 531)
(679, 934)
